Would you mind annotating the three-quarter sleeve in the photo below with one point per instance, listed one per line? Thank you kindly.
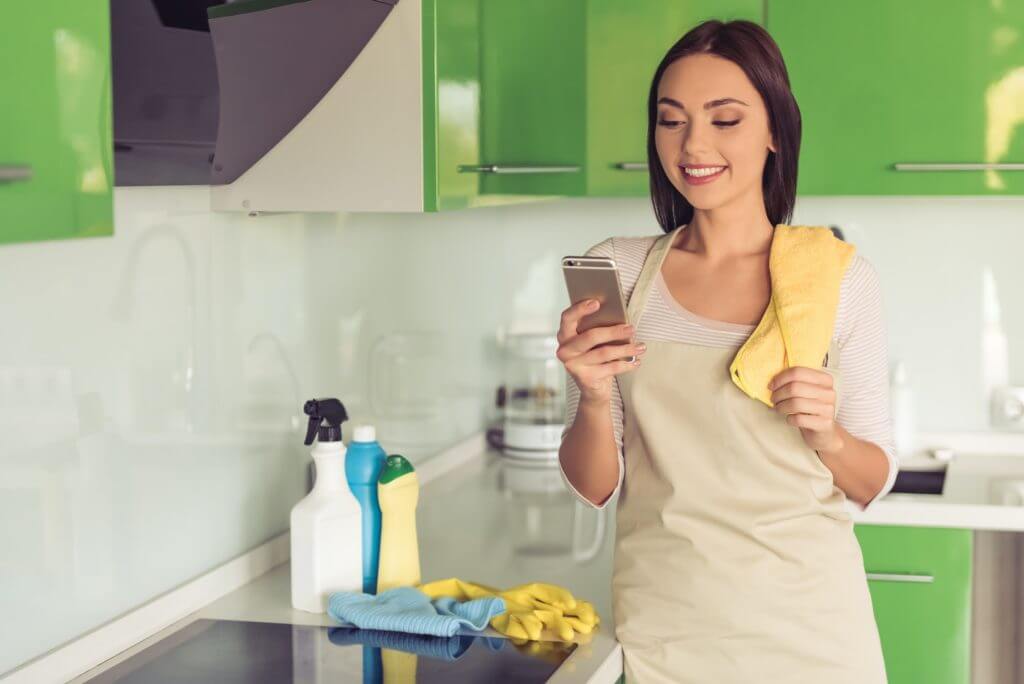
(864, 363)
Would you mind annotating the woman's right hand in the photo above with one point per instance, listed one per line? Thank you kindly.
(593, 368)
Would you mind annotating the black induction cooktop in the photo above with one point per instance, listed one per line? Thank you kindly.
(226, 652)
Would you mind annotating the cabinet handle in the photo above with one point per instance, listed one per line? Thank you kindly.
(900, 577)
(631, 166)
(10, 173)
(512, 168)
(1008, 166)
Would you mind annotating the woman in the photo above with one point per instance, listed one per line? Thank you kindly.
(735, 559)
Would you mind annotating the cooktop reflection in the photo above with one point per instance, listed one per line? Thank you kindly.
(226, 651)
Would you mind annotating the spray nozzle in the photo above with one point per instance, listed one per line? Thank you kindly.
(325, 418)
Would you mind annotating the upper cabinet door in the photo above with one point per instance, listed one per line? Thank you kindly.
(906, 98)
(625, 41)
(451, 103)
(55, 122)
(532, 97)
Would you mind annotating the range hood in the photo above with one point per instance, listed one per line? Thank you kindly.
(320, 105)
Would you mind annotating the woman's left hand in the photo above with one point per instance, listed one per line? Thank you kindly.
(807, 398)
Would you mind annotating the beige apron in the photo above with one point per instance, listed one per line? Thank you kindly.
(735, 559)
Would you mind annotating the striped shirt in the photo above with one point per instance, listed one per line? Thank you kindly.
(859, 332)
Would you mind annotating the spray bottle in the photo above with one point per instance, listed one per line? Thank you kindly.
(326, 526)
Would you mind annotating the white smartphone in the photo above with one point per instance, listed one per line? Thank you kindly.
(596, 278)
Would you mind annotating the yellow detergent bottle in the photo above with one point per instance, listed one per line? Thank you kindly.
(398, 492)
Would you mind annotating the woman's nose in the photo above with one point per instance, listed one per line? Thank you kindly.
(694, 141)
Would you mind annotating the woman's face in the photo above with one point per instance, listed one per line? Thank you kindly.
(711, 120)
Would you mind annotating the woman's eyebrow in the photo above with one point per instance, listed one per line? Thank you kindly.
(707, 105)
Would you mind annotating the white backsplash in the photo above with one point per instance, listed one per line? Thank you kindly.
(151, 384)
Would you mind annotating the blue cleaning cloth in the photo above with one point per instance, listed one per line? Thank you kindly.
(407, 609)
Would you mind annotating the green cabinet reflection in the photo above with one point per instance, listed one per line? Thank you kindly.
(56, 174)
(906, 98)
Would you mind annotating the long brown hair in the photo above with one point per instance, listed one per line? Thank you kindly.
(750, 47)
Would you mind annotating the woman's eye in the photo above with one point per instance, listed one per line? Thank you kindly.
(666, 122)
(727, 123)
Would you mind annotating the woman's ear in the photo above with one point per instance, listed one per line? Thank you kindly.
(771, 144)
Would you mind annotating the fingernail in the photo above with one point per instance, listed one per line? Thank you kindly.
(592, 304)
(642, 347)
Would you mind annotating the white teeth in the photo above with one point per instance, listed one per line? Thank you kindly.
(709, 171)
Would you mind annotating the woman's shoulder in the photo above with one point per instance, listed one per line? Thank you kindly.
(860, 278)
(629, 254)
(860, 295)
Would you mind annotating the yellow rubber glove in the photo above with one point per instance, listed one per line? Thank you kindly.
(529, 608)
(540, 595)
(460, 590)
(553, 607)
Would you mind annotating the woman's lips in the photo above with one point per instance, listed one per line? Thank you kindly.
(700, 180)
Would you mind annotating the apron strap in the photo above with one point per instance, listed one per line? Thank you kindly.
(652, 266)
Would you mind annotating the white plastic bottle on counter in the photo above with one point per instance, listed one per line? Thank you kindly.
(902, 400)
(326, 526)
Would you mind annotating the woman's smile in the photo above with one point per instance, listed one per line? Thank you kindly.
(700, 174)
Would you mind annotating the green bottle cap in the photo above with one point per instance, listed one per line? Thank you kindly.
(394, 467)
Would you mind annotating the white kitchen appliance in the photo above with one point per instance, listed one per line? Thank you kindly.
(532, 397)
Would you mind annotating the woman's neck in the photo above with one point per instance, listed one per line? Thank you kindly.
(722, 235)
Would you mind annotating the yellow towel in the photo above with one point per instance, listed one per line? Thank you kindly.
(807, 264)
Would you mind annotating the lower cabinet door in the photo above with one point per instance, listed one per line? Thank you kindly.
(920, 582)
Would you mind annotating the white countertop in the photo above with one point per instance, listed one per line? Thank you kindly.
(468, 523)
(984, 490)
(470, 526)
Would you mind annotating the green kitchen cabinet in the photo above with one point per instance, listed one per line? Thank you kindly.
(906, 98)
(451, 103)
(625, 41)
(564, 90)
(920, 583)
(532, 86)
(56, 172)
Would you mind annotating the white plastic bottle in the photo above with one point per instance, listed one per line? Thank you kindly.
(994, 352)
(902, 400)
(326, 526)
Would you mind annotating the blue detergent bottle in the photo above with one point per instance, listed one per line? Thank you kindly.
(363, 463)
